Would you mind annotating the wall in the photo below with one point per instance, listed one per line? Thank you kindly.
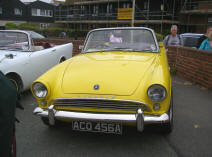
(192, 64)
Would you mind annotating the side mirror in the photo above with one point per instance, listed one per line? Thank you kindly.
(81, 47)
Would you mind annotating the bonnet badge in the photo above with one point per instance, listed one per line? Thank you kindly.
(96, 86)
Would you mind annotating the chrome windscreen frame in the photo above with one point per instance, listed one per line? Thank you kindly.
(122, 28)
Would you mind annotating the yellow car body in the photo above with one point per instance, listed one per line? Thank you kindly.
(108, 86)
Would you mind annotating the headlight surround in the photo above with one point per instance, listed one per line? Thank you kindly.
(156, 93)
(39, 90)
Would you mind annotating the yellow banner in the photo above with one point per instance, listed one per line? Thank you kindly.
(124, 13)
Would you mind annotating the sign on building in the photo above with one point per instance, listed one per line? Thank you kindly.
(124, 14)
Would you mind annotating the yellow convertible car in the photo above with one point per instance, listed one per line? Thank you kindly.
(120, 78)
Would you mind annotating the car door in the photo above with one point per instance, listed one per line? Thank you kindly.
(41, 61)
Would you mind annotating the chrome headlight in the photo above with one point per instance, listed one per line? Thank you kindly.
(39, 90)
(156, 93)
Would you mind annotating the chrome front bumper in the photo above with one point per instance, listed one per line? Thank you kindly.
(139, 118)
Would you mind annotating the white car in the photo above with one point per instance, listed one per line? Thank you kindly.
(191, 39)
(23, 62)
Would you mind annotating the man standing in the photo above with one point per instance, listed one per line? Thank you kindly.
(173, 39)
(203, 37)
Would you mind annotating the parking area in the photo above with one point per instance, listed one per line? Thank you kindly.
(191, 136)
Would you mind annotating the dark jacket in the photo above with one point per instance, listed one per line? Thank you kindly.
(8, 99)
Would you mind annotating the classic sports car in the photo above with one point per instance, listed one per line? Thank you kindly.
(23, 61)
(120, 78)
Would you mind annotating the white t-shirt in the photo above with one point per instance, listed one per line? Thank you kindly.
(170, 40)
(114, 39)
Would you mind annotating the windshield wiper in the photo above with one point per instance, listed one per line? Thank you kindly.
(121, 48)
(101, 50)
(111, 49)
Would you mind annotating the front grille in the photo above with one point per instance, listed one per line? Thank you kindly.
(100, 104)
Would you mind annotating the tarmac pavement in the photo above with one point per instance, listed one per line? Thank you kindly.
(191, 137)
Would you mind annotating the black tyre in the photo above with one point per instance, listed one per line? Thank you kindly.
(62, 59)
(167, 127)
(16, 81)
(45, 121)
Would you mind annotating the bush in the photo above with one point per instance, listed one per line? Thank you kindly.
(173, 70)
(48, 32)
(29, 26)
(166, 32)
(159, 36)
(54, 31)
(10, 25)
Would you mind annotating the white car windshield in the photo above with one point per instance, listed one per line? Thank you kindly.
(35, 35)
(136, 40)
(14, 41)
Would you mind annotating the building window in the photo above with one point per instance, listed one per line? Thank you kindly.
(44, 25)
(126, 5)
(95, 10)
(82, 10)
(0, 10)
(42, 12)
(109, 9)
(50, 13)
(34, 12)
(146, 5)
(17, 11)
(209, 19)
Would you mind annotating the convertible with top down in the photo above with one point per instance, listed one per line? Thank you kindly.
(120, 78)
(23, 58)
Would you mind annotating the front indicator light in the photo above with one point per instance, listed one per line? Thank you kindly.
(156, 93)
(43, 103)
(39, 90)
(156, 107)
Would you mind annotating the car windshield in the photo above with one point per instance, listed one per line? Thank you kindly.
(134, 40)
(190, 41)
(35, 35)
(14, 41)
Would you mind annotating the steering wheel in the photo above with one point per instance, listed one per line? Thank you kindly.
(102, 46)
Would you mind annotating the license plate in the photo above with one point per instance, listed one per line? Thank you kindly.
(105, 127)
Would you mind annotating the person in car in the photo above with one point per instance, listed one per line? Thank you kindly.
(173, 39)
(115, 37)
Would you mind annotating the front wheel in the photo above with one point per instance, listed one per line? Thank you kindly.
(15, 81)
(167, 127)
(45, 121)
